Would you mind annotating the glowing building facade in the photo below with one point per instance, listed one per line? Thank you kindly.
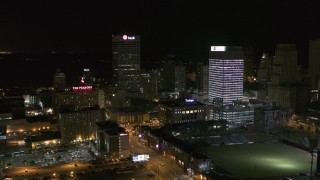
(225, 74)
(79, 125)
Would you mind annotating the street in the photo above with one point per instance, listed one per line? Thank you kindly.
(158, 167)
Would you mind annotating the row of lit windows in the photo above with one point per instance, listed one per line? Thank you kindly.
(179, 111)
(184, 121)
(5, 118)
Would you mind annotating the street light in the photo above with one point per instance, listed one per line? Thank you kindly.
(71, 174)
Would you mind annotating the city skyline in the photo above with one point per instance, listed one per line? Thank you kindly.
(163, 89)
(164, 27)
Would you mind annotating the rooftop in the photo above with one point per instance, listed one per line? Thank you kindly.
(181, 103)
(43, 137)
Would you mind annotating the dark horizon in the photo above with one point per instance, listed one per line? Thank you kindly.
(166, 27)
(181, 27)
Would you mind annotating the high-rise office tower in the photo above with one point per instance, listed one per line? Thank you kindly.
(265, 69)
(283, 90)
(225, 74)
(174, 77)
(314, 63)
(126, 61)
(202, 79)
(249, 67)
(149, 84)
(59, 80)
(86, 78)
(285, 68)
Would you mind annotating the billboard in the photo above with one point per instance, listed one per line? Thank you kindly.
(140, 157)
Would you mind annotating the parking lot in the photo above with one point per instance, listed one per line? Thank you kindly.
(52, 156)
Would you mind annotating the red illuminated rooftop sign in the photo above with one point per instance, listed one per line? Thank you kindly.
(82, 89)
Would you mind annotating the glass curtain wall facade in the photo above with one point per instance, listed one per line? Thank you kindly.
(225, 80)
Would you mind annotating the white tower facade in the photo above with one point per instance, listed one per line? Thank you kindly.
(226, 66)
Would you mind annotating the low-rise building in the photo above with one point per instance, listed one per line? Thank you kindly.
(184, 154)
(112, 140)
(269, 117)
(181, 111)
(237, 116)
(43, 140)
(124, 116)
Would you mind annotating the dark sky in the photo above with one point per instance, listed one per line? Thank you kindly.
(186, 27)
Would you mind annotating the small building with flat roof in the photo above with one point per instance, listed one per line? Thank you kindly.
(112, 140)
(181, 111)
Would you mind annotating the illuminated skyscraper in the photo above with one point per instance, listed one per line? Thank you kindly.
(225, 74)
(126, 61)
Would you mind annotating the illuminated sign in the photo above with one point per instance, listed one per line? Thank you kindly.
(218, 48)
(189, 100)
(140, 157)
(86, 70)
(125, 37)
(82, 89)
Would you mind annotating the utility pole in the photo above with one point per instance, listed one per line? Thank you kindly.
(313, 142)
(2, 144)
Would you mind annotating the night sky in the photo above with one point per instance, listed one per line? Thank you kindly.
(165, 26)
